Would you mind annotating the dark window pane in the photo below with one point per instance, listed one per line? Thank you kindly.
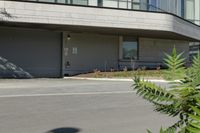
(80, 2)
(130, 50)
(47, 0)
(152, 5)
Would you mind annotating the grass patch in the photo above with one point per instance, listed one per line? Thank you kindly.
(126, 74)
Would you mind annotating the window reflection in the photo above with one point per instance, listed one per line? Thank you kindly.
(130, 49)
(80, 2)
(192, 11)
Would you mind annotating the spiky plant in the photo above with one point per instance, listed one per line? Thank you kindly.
(194, 119)
(174, 63)
(178, 101)
(193, 74)
(162, 131)
(175, 102)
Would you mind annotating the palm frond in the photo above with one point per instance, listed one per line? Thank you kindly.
(193, 74)
(194, 121)
(183, 98)
(175, 64)
(151, 92)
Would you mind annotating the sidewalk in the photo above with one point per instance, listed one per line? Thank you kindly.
(120, 79)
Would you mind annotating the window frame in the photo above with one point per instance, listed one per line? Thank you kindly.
(136, 39)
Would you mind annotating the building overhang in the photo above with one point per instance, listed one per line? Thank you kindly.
(101, 20)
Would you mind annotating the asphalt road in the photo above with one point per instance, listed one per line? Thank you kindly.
(75, 106)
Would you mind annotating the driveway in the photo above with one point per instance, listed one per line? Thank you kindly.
(75, 106)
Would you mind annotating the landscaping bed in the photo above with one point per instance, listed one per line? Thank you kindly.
(158, 74)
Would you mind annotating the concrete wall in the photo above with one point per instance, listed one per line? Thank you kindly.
(37, 53)
(154, 49)
(29, 53)
(102, 52)
(94, 51)
(25, 12)
(151, 52)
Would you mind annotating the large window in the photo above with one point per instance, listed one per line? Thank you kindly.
(192, 11)
(172, 6)
(130, 49)
(189, 5)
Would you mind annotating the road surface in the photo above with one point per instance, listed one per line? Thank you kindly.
(75, 106)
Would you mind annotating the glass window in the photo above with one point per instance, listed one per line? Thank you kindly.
(110, 3)
(152, 5)
(130, 49)
(189, 9)
(136, 4)
(197, 12)
(62, 1)
(172, 8)
(192, 11)
(47, 0)
(129, 5)
(180, 8)
(80, 2)
(100, 3)
(124, 4)
(143, 4)
(93, 2)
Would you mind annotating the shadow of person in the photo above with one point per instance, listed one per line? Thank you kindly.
(64, 130)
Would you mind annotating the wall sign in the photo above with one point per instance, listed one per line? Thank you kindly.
(74, 50)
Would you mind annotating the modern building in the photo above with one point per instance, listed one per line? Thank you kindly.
(192, 13)
(53, 38)
(194, 49)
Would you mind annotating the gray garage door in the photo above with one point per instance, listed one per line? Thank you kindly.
(29, 53)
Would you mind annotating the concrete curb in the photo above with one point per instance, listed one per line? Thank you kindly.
(119, 79)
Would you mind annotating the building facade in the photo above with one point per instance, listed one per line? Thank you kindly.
(53, 38)
(192, 13)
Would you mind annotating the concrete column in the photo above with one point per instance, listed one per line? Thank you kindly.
(120, 47)
(62, 54)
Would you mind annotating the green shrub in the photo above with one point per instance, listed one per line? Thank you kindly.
(182, 100)
(175, 63)
(194, 119)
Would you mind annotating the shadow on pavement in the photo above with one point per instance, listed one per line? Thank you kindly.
(65, 130)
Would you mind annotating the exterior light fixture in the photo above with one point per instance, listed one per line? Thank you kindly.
(68, 37)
